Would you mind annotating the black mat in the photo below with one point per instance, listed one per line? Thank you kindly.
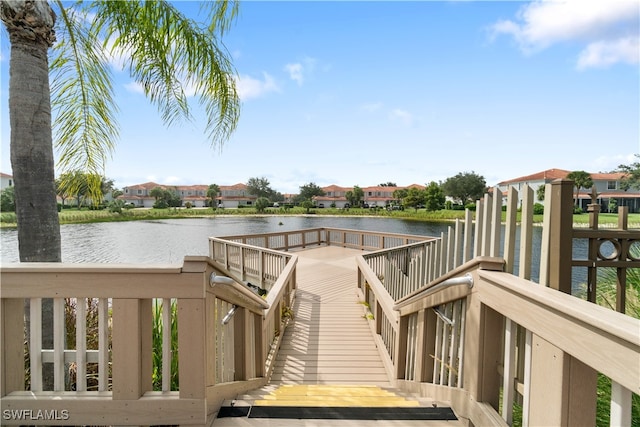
(340, 413)
(233, 411)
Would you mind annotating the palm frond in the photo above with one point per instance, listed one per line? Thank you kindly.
(171, 56)
(85, 127)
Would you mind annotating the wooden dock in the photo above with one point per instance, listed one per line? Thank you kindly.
(328, 341)
(328, 358)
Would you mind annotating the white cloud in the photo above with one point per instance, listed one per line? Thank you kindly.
(372, 106)
(402, 116)
(611, 162)
(605, 53)
(609, 28)
(295, 72)
(173, 180)
(298, 71)
(249, 88)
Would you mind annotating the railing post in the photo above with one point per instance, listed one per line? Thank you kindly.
(260, 349)
(132, 364)
(192, 346)
(562, 390)
(12, 350)
(240, 325)
(400, 357)
(592, 272)
(483, 352)
(560, 235)
(621, 273)
(430, 322)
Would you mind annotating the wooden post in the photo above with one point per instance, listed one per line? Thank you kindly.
(560, 235)
(210, 338)
(621, 273)
(240, 325)
(400, 358)
(12, 349)
(563, 389)
(420, 346)
(260, 349)
(483, 352)
(592, 271)
(430, 321)
(192, 347)
(132, 364)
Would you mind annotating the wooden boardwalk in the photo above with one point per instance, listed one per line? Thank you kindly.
(329, 340)
(328, 357)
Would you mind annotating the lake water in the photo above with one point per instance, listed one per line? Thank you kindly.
(169, 241)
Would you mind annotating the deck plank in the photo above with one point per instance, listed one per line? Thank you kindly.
(329, 340)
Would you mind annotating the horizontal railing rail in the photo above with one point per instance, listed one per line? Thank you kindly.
(300, 239)
(259, 266)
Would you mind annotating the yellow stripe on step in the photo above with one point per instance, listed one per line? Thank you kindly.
(336, 396)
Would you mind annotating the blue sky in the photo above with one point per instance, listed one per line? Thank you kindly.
(361, 93)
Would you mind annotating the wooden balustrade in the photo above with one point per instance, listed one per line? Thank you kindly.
(300, 239)
(507, 337)
(215, 361)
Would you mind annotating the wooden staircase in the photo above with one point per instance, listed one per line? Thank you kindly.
(328, 367)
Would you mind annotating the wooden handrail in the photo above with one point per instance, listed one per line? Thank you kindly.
(479, 263)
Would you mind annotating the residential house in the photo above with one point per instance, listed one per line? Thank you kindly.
(383, 195)
(606, 185)
(140, 195)
(233, 196)
(5, 181)
(373, 196)
(230, 196)
(333, 195)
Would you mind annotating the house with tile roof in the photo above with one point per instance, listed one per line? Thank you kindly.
(230, 196)
(373, 196)
(606, 185)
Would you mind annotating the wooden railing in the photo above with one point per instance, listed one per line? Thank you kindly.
(300, 239)
(222, 347)
(247, 262)
(450, 319)
(506, 338)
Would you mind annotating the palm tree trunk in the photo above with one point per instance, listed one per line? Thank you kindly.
(30, 28)
(31, 34)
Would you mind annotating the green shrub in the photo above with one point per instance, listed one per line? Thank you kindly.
(538, 209)
(161, 204)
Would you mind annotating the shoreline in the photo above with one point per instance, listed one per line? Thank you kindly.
(149, 214)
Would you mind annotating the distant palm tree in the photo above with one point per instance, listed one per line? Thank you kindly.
(212, 193)
(581, 179)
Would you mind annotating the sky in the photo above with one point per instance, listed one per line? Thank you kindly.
(363, 93)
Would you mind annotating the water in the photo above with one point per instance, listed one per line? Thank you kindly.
(169, 241)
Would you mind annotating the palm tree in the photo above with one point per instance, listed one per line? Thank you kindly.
(165, 53)
(581, 179)
(212, 193)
